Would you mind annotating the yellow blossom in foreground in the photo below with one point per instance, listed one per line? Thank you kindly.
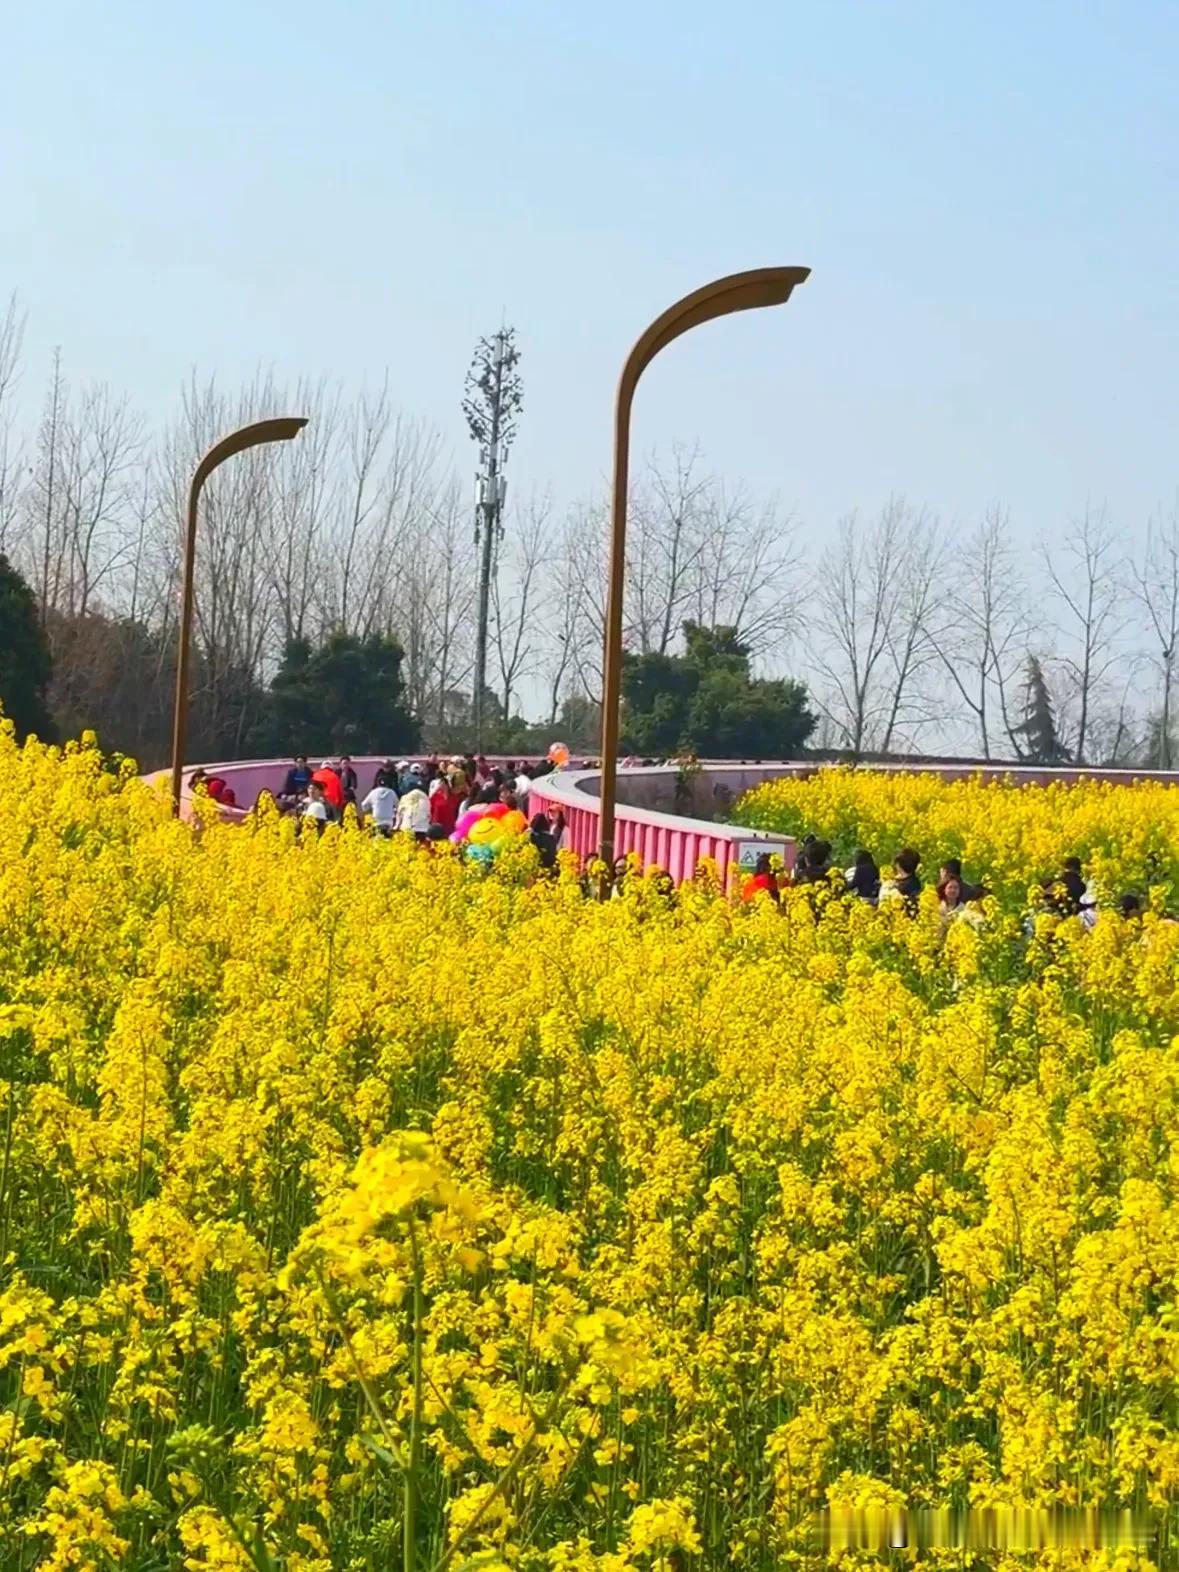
(343, 1188)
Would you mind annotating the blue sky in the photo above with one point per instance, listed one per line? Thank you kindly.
(986, 195)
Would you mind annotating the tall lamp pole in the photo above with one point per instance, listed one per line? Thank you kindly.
(281, 430)
(766, 286)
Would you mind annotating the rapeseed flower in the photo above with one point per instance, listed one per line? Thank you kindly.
(629, 1234)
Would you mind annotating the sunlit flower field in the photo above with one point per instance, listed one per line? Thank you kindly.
(359, 1210)
(1010, 836)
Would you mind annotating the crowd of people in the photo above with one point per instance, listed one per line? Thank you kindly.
(1066, 893)
(424, 799)
(427, 799)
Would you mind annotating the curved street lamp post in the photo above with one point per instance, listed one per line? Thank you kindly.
(767, 286)
(281, 430)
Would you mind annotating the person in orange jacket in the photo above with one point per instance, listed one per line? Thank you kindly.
(761, 881)
(333, 787)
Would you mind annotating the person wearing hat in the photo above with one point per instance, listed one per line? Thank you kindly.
(316, 810)
(406, 781)
(416, 778)
(333, 789)
(413, 813)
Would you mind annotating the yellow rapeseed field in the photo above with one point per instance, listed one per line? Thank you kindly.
(360, 1210)
(1010, 836)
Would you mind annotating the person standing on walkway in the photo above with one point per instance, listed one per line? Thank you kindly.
(380, 806)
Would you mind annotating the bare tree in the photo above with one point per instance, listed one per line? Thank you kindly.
(101, 446)
(871, 604)
(1085, 579)
(747, 571)
(563, 619)
(412, 492)
(517, 587)
(663, 548)
(581, 618)
(42, 535)
(368, 427)
(980, 635)
(12, 332)
(305, 476)
(433, 613)
(1155, 586)
(388, 496)
(910, 651)
(698, 550)
(1119, 732)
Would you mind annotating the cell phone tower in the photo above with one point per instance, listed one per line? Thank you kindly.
(491, 403)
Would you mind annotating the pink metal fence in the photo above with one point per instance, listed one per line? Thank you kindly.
(669, 841)
(673, 842)
(661, 840)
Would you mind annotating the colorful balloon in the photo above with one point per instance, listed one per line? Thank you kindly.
(559, 755)
(463, 826)
(487, 832)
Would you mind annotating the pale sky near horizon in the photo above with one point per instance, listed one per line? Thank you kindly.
(986, 195)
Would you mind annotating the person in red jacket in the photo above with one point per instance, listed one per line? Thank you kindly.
(446, 802)
(333, 787)
(221, 791)
(762, 881)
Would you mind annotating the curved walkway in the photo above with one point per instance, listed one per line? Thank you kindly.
(668, 840)
(645, 820)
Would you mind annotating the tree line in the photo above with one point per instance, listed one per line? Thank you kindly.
(336, 597)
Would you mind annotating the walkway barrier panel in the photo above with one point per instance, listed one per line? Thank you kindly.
(676, 843)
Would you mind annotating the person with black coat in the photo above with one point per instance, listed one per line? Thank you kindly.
(905, 880)
(815, 864)
(545, 842)
(863, 877)
(298, 779)
(1066, 893)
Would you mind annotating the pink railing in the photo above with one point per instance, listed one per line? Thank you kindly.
(673, 842)
(662, 840)
(249, 777)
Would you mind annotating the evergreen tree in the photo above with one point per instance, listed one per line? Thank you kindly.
(706, 702)
(344, 697)
(1041, 744)
(25, 662)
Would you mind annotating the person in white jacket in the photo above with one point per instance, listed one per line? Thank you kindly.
(380, 806)
(413, 813)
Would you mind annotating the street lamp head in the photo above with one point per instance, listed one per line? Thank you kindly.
(281, 429)
(762, 286)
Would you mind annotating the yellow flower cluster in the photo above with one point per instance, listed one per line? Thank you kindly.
(359, 1209)
(1008, 836)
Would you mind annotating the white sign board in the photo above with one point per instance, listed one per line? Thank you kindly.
(749, 851)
